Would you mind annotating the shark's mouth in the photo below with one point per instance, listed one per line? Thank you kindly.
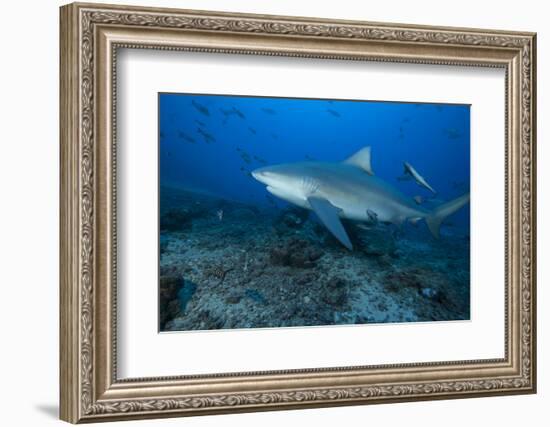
(289, 196)
(274, 190)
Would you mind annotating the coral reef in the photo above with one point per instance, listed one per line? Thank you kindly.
(169, 304)
(295, 252)
(256, 268)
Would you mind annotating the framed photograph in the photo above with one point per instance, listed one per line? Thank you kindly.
(266, 212)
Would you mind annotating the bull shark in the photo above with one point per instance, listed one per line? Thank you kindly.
(349, 190)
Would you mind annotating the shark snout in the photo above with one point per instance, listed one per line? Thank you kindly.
(257, 173)
(261, 174)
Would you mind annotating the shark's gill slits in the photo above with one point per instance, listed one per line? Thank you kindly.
(309, 185)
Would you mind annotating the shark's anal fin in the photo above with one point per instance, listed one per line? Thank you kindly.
(328, 214)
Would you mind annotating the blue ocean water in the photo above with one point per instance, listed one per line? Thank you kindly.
(256, 261)
(211, 142)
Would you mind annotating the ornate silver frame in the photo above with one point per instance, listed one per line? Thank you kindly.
(90, 36)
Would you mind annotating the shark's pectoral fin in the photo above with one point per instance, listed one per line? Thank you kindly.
(328, 214)
(361, 159)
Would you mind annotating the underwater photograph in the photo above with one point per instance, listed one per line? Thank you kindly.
(293, 212)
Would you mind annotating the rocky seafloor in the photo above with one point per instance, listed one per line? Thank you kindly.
(231, 265)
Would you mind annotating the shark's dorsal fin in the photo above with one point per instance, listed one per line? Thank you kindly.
(328, 214)
(361, 159)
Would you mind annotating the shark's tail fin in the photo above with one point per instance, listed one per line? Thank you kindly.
(436, 217)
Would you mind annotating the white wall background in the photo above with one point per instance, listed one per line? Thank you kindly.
(29, 170)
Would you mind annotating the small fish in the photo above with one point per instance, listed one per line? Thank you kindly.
(333, 112)
(200, 108)
(308, 157)
(418, 199)
(270, 111)
(373, 216)
(417, 177)
(260, 160)
(452, 133)
(252, 130)
(208, 138)
(245, 157)
(161, 135)
(246, 172)
(415, 221)
(186, 137)
(239, 113)
(202, 124)
(227, 112)
(220, 214)
(232, 112)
